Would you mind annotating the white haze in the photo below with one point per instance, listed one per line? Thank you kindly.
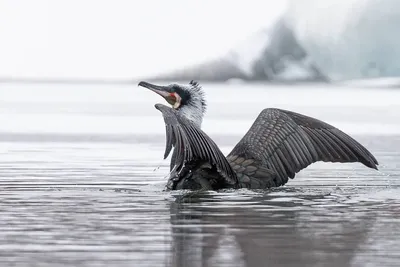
(349, 39)
(122, 38)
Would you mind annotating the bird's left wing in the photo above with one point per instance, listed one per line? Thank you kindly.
(191, 143)
(286, 142)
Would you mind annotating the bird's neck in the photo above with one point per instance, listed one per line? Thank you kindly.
(193, 113)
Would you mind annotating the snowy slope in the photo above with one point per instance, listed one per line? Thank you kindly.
(269, 55)
(349, 39)
(330, 40)
(245, 54)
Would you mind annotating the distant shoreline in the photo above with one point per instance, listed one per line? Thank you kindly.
(66, 81)
(383, 82)
(135, 81)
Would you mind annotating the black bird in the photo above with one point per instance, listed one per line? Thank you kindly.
(278, 145)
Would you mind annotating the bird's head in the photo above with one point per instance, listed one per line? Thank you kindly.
(189, 100)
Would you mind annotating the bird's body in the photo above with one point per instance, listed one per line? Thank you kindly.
(279, 144)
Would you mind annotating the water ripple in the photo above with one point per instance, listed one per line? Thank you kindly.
(73, 198)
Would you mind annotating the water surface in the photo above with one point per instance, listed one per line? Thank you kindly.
(82, 182)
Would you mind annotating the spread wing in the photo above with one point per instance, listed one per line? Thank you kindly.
(286, 142)
(191, 144)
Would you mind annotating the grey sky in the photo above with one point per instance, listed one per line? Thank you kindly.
(121, 38)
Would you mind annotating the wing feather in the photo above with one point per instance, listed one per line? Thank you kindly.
(286, 142)
(191, 143)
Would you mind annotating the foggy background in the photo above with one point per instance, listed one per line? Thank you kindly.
(252, 40)
(82, 174)
(121, 39)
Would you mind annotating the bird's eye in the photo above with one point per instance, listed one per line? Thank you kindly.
(174, 100)
(171, 99)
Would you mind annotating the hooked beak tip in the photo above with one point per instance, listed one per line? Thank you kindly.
(161, 90)
(142, 83)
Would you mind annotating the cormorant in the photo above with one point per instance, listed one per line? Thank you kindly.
(278, 145)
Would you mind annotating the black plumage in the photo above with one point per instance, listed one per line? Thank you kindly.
(194, 150)
(286, 142)
(279, 144)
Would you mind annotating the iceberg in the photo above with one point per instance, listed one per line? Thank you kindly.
(348, 39)
(271, 54)
(313, 40)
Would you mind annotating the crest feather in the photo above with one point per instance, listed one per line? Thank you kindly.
(199, 90)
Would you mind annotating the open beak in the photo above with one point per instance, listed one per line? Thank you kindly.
(161, 90)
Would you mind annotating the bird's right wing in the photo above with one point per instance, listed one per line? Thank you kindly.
(286, 142)
(191, 143)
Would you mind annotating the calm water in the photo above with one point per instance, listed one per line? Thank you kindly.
(82, 181)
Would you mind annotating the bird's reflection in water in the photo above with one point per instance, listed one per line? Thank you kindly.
(279, 228)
